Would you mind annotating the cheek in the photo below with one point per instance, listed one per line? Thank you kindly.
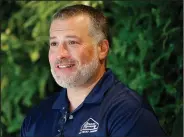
(86, 55)
(52, 57)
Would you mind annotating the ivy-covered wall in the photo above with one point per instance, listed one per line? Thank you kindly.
(146, 55)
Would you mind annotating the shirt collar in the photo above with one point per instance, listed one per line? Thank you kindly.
(103, 85)
(95, 96)
(62, 100)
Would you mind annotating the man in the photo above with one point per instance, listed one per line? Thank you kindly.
(92, 101)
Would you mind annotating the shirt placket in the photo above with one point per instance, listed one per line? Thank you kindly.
(62, 122)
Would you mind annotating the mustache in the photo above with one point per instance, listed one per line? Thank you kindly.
(64, 61)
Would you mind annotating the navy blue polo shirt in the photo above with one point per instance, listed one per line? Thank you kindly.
(110, 109)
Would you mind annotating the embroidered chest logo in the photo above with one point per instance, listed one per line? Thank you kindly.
(89, 126)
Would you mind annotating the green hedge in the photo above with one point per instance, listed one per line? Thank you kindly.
(146, 55)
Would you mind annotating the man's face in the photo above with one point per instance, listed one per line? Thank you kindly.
(73, 56)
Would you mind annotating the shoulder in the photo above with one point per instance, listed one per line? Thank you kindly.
(121, 101)
(124, 109)
(45, 104)
(37, 111)
(121, 95)
(129, 112)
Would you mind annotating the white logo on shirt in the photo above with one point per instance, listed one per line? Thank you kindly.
(89, 126)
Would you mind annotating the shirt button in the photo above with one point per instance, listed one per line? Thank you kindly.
(71, 117)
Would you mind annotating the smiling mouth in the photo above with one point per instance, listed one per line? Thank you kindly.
(65, 66)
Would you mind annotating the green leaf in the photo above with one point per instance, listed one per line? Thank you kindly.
(34, 56)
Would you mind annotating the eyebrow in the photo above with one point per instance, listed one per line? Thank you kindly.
(72, 36)
(52, 37)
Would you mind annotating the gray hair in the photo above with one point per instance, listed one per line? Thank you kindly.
(99, 29)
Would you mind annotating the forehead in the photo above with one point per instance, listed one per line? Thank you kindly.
(77, 25)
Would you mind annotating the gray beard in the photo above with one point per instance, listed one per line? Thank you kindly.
(81, 76)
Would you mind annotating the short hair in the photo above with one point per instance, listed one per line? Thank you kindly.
(99, 23)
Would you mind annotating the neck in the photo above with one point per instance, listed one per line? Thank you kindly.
(77, 95)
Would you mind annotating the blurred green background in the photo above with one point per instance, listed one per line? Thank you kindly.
(146, 54)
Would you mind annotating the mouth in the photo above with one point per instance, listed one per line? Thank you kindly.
(64, 66)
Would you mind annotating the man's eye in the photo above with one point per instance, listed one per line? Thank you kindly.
(71, 42)
(53, 44)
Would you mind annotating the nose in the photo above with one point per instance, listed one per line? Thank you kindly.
(62, 51)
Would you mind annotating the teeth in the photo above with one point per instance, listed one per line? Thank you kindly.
(62, 66)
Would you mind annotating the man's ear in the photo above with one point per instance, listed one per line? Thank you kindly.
(103, 49)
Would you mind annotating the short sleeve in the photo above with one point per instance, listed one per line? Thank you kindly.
(23, 128)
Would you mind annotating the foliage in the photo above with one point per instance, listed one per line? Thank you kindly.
(146, 55)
